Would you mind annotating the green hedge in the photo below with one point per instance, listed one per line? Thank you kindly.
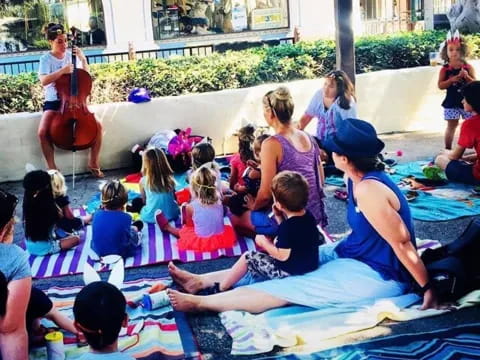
(305, 60)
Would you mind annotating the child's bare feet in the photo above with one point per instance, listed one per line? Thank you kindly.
(191, 283)
(184, 302)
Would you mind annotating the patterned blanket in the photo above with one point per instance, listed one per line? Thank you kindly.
(160, 336)
(158, 247)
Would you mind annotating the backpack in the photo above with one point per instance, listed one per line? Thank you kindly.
(454, 269)
(177, 145)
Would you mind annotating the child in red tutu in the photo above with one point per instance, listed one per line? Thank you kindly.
(204, 228)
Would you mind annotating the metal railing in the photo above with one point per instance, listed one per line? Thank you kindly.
(17, 67)
(442, 6)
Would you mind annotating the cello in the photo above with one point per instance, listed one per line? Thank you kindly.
(74, 127)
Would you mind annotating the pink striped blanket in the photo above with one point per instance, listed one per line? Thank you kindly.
(158, 247)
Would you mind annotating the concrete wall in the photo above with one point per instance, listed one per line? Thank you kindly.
(393, 100)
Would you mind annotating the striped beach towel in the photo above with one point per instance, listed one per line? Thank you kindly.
(158, 247)
(163, 335)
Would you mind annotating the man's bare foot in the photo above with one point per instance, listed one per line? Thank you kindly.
(189, 282)
(184, 302)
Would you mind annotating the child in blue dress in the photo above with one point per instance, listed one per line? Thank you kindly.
(157, 187)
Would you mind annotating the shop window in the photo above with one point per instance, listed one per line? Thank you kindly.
(22, 22)
(176, 18)
(368, 9)
(417, 10)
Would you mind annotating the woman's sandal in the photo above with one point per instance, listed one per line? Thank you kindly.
(411, 195)
(96, 172)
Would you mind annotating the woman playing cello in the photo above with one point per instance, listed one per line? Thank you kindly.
(53, 65)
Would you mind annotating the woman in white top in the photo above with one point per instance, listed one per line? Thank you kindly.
(330, 105)
(53, 65)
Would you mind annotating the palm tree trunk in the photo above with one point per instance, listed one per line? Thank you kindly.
(465, 16)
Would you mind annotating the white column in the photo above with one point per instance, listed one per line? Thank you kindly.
(428, 4)
(128, 21)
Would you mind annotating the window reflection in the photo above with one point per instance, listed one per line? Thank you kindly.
(22, 22)
(176, 18)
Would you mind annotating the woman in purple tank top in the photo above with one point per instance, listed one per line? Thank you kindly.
(289, 149)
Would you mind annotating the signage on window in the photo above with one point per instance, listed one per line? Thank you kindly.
(266, 18)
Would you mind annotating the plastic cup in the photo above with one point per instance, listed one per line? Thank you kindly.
(433, 58)
(55, 349)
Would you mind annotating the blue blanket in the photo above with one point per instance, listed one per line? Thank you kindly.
(441, 203)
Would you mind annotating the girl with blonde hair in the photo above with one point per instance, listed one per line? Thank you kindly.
(68, 221)
(157, 188)
(204, 228)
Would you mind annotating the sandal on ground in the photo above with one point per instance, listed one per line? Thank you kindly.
(411, 195)
(96, 172)
(341, 195)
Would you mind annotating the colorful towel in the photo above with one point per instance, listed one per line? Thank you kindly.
(159, 338)
(461, 342)
(158, 247)
(440, 203)
(306, 329)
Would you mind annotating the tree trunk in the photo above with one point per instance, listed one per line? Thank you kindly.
(344, 37)
(464, 16)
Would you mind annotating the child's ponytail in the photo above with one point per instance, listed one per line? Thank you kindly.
(203, 182)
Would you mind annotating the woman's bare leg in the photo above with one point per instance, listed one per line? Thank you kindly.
(94, 162)
(244, 299)
(44, 137)
(193, 283)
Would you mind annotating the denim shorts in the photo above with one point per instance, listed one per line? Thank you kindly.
(462, 172)
(51, 105)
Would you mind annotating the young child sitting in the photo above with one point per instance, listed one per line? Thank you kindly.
(39, 306)
(113, 231)
(157, 188)
(100, 312)
(41, 214)
(202, 154)
(68, 221)
(295, 250)
(204, 228)
(459, 168)
(251, 178)
(238, 163)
